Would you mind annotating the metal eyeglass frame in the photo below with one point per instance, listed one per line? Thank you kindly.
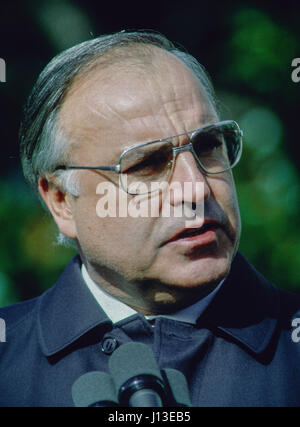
(176, 151)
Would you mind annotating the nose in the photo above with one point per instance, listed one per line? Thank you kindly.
(188, 176)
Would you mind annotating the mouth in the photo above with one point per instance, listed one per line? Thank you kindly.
(190, 232)
(203, 235)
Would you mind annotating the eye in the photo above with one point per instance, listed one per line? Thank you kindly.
(154, 163)
(207, 143)
(150, 163)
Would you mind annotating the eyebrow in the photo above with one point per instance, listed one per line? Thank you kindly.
(207, 119)
(142, 152)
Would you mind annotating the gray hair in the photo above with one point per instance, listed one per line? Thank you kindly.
(42, 144)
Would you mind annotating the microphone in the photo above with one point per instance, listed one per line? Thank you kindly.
(178, 392)
(94, 389)
(137, 377)
(135, 381)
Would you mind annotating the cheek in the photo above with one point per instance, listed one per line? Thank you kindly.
(233, 203)
(114, 240)
(223, 191)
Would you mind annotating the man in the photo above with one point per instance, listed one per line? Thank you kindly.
(129, 110)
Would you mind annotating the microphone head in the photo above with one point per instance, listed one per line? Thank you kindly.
(131, 360)
(92, 388)
(178, 387)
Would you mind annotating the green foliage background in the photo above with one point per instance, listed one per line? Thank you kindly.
(247, 49)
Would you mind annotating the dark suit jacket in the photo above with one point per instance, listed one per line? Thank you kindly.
(241, 353)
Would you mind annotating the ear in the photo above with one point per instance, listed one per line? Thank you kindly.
(60, 205)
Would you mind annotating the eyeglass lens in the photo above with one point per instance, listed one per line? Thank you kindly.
(216, 149)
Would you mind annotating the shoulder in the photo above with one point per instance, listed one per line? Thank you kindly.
(257, 297)
(16, 313)
(20, 315)
(289, 308)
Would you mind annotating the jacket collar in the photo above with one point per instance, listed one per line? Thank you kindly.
(68, 310)
(245, 309)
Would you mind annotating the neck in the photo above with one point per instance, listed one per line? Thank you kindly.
(150, 297)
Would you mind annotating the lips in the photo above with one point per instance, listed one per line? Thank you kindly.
(192, 232)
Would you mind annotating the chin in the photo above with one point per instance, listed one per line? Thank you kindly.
(203, 272)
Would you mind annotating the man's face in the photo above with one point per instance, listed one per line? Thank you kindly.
(140, 260)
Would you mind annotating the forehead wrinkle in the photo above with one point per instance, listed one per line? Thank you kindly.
(110, 111)
(168, 105)
(164, 95)
(169, 122)
(176, 99)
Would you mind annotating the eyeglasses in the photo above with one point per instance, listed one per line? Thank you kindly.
(216, 149)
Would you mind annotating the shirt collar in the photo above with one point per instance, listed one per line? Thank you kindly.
(117, 310)
(113, 308)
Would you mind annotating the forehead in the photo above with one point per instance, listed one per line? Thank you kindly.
(117, 107)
